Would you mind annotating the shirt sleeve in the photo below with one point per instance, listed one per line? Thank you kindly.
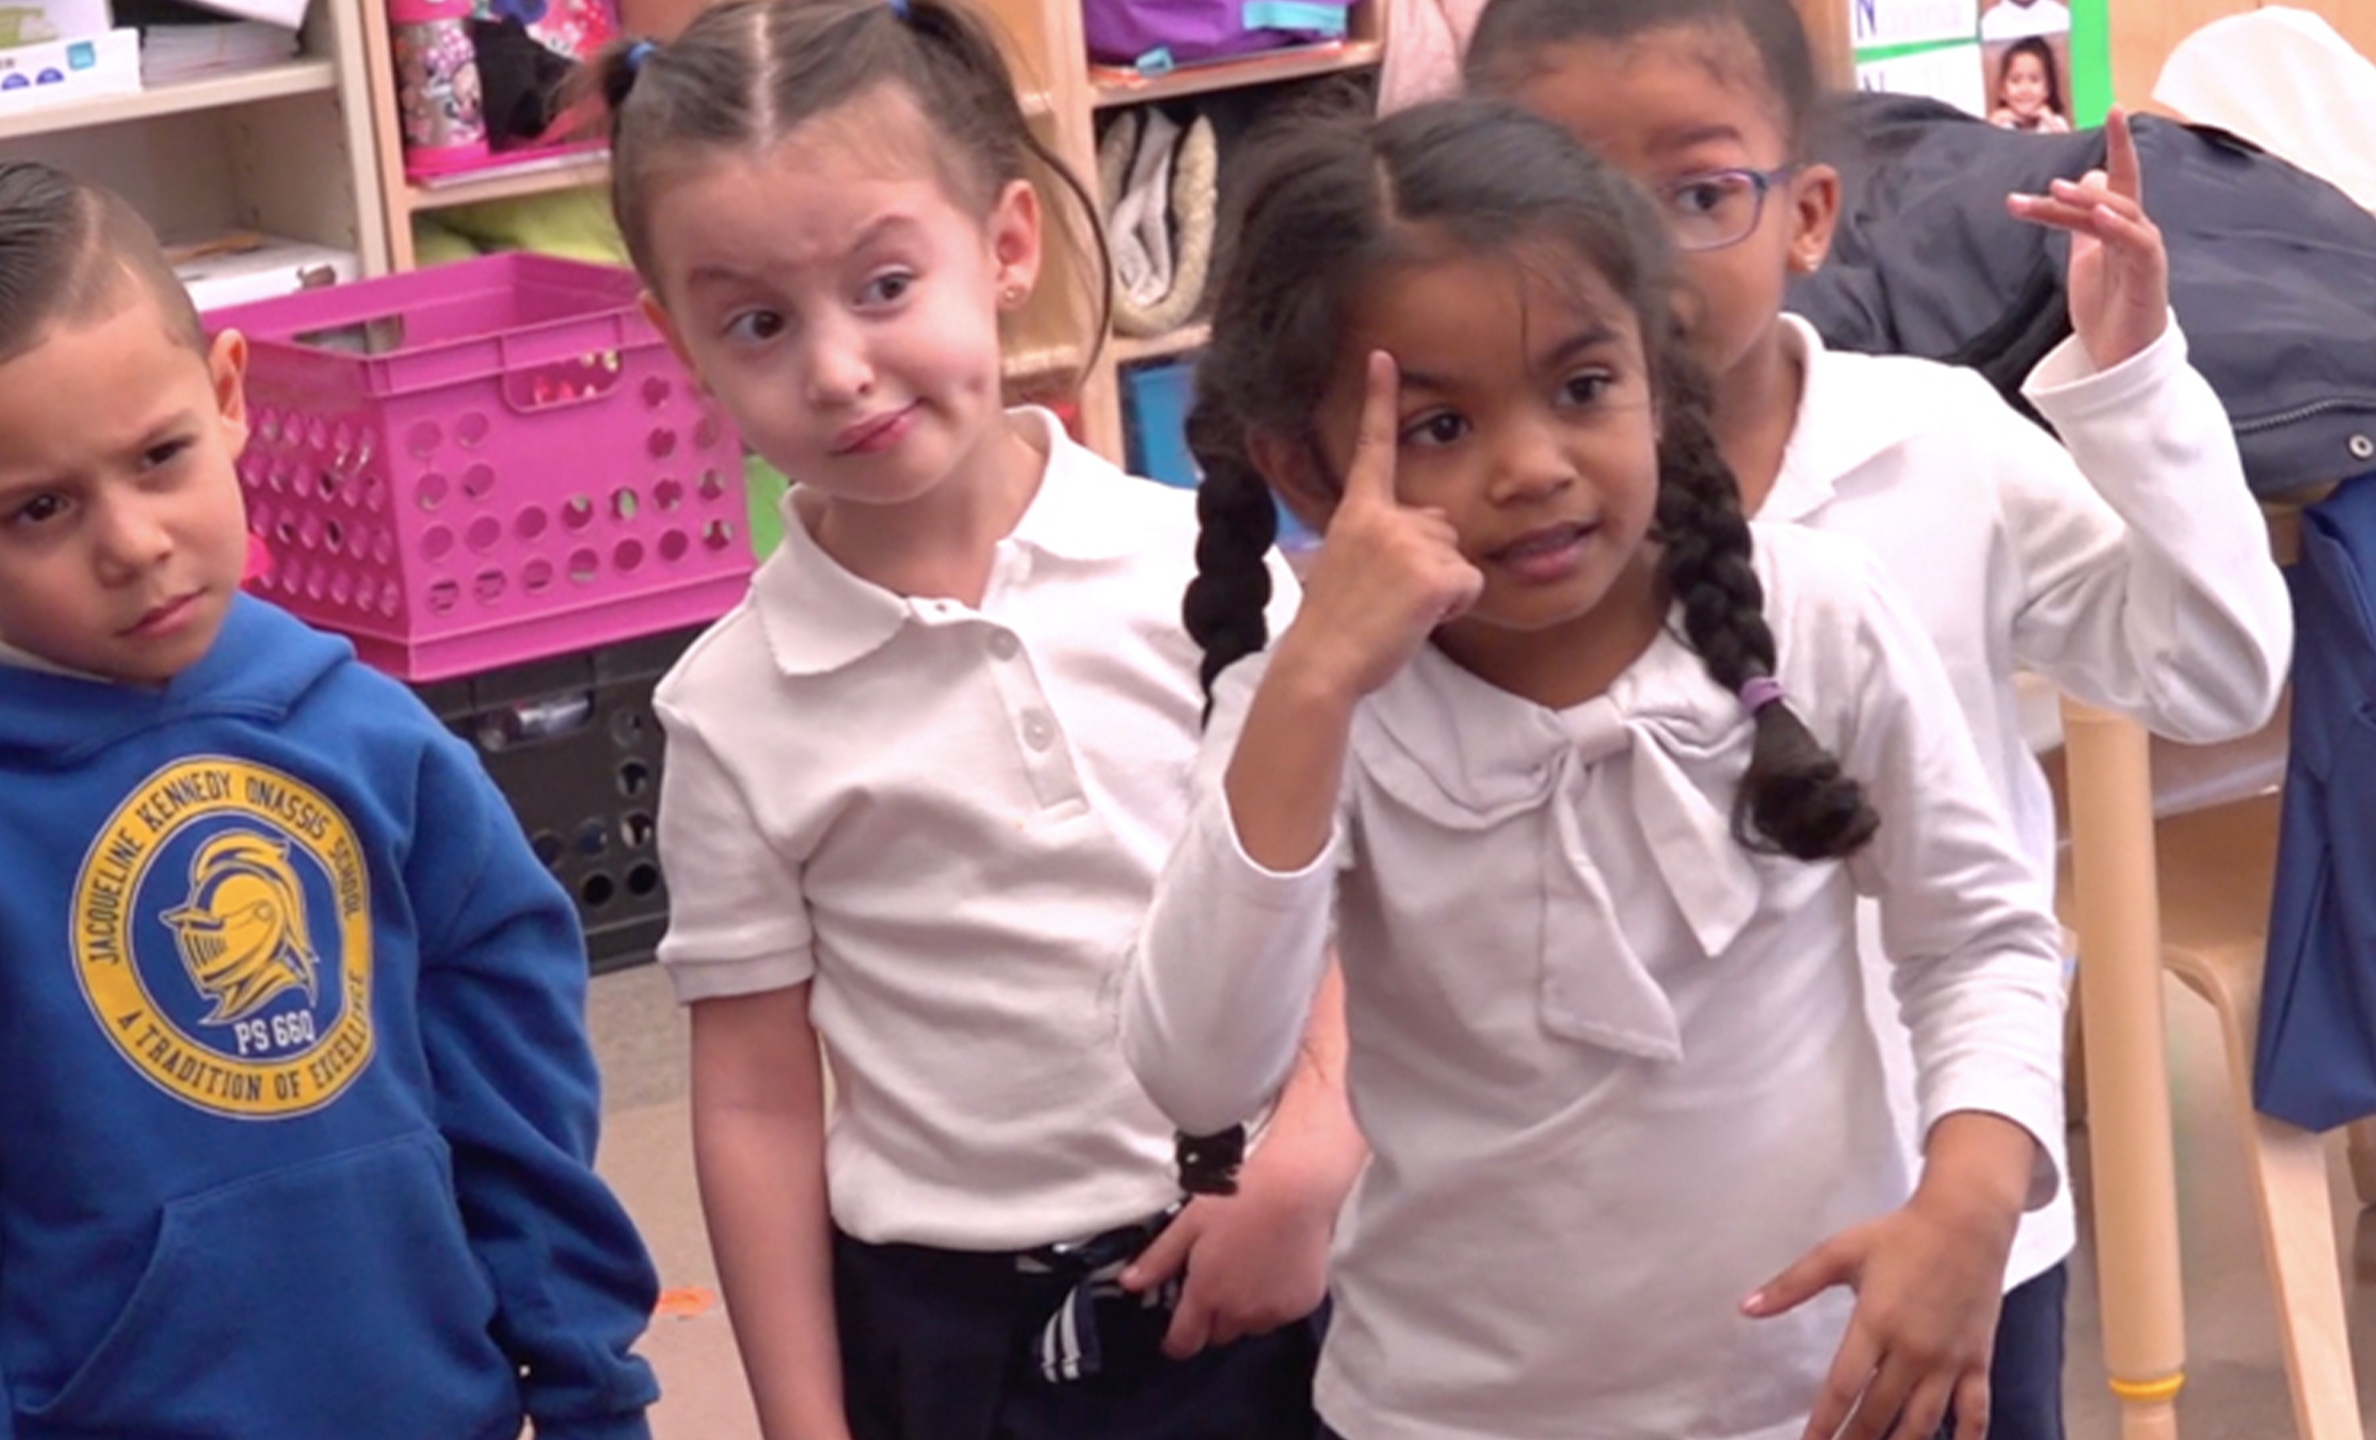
(737, 923)
(502, 1006)
(1221, 984)
(1977, 971)
(2148, 588)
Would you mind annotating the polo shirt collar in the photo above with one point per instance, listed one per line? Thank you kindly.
(818, 617)
(1847, 414)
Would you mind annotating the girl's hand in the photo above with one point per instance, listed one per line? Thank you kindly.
(1387, 574)
(1254, 1261)
(1929, 1282)
(2120, 274)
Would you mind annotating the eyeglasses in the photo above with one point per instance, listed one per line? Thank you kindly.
(1716, 208)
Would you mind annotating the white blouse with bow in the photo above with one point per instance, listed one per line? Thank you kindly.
(1612, 1064)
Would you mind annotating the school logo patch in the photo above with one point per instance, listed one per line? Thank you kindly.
(222, 933)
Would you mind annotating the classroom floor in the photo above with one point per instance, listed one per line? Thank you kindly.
(2236, 1386)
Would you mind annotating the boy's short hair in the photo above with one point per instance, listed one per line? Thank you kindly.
(67, 250)
(1511, 35)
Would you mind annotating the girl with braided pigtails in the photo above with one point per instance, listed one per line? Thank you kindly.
(1584, 774)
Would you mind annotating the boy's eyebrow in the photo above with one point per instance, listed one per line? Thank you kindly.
(13, 491)
(1691, 135)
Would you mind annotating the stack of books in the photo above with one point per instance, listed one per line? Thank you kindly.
(185, 42)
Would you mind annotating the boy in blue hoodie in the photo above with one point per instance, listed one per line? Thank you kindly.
(297, 1132)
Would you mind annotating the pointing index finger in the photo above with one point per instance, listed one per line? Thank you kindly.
(1370, 478)
(2121, 170)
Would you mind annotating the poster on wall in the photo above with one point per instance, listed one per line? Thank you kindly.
(2040, 66)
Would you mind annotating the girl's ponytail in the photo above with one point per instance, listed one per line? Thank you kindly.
(1795, 798)
(614, 71)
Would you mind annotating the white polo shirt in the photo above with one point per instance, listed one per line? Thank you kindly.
(1614, 1068)
(2130, 569)
(948, 821)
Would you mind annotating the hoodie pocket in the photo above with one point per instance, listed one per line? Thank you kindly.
(339, 1297)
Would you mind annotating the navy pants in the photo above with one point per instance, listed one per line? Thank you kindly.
(939, 1345)
(2025, 1379)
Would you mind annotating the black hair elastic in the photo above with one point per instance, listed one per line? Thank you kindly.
(1209, 1163)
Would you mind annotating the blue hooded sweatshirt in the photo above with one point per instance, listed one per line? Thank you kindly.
(299, 1114)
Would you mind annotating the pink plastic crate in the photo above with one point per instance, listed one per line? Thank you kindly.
(485, 463)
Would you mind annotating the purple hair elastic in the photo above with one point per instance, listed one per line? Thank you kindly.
(1759, 691)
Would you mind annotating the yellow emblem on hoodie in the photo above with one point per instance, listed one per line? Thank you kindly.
(222, 934)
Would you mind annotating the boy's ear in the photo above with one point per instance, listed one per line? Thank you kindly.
(1016, 242)
(226, 367)
(652, 311)
(1814, 214)
(1294, 471)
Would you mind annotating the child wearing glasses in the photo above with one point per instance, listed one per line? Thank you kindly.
(2130, 568)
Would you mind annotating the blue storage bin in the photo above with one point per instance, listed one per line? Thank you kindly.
(1155, 421)
(1155, 400)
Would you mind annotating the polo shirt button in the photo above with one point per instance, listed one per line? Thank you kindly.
(1003, 644)
(1038, 732)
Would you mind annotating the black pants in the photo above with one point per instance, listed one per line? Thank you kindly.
(938, 1345)
(2025, 1379)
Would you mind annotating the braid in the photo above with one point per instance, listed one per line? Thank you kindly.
(1225, 604)
(1794, 798)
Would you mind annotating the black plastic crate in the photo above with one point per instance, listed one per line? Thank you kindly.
(573, 744)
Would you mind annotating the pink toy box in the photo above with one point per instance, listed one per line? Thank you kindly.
(485, 463)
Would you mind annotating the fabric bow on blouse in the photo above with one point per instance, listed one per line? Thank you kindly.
(1469, 757)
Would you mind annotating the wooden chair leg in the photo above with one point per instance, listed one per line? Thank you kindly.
(2288, 1169)
(2289, 1181)
(2117, 912)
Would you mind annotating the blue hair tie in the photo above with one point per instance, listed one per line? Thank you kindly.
(900, 9)
(637, 54)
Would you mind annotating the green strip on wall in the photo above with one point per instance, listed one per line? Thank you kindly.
(2091, 62)
(1899, 52)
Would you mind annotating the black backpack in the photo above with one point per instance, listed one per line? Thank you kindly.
(2272, 270)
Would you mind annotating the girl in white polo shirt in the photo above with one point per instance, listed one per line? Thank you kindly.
(1586, 774)
(920, 782)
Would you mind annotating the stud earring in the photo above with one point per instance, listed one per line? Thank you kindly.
(1011, 295)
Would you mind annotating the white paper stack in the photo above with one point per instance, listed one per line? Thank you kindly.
(185, 52)
(184, 42)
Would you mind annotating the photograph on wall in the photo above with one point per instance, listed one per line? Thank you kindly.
(2038, 66)
(2029, 83)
